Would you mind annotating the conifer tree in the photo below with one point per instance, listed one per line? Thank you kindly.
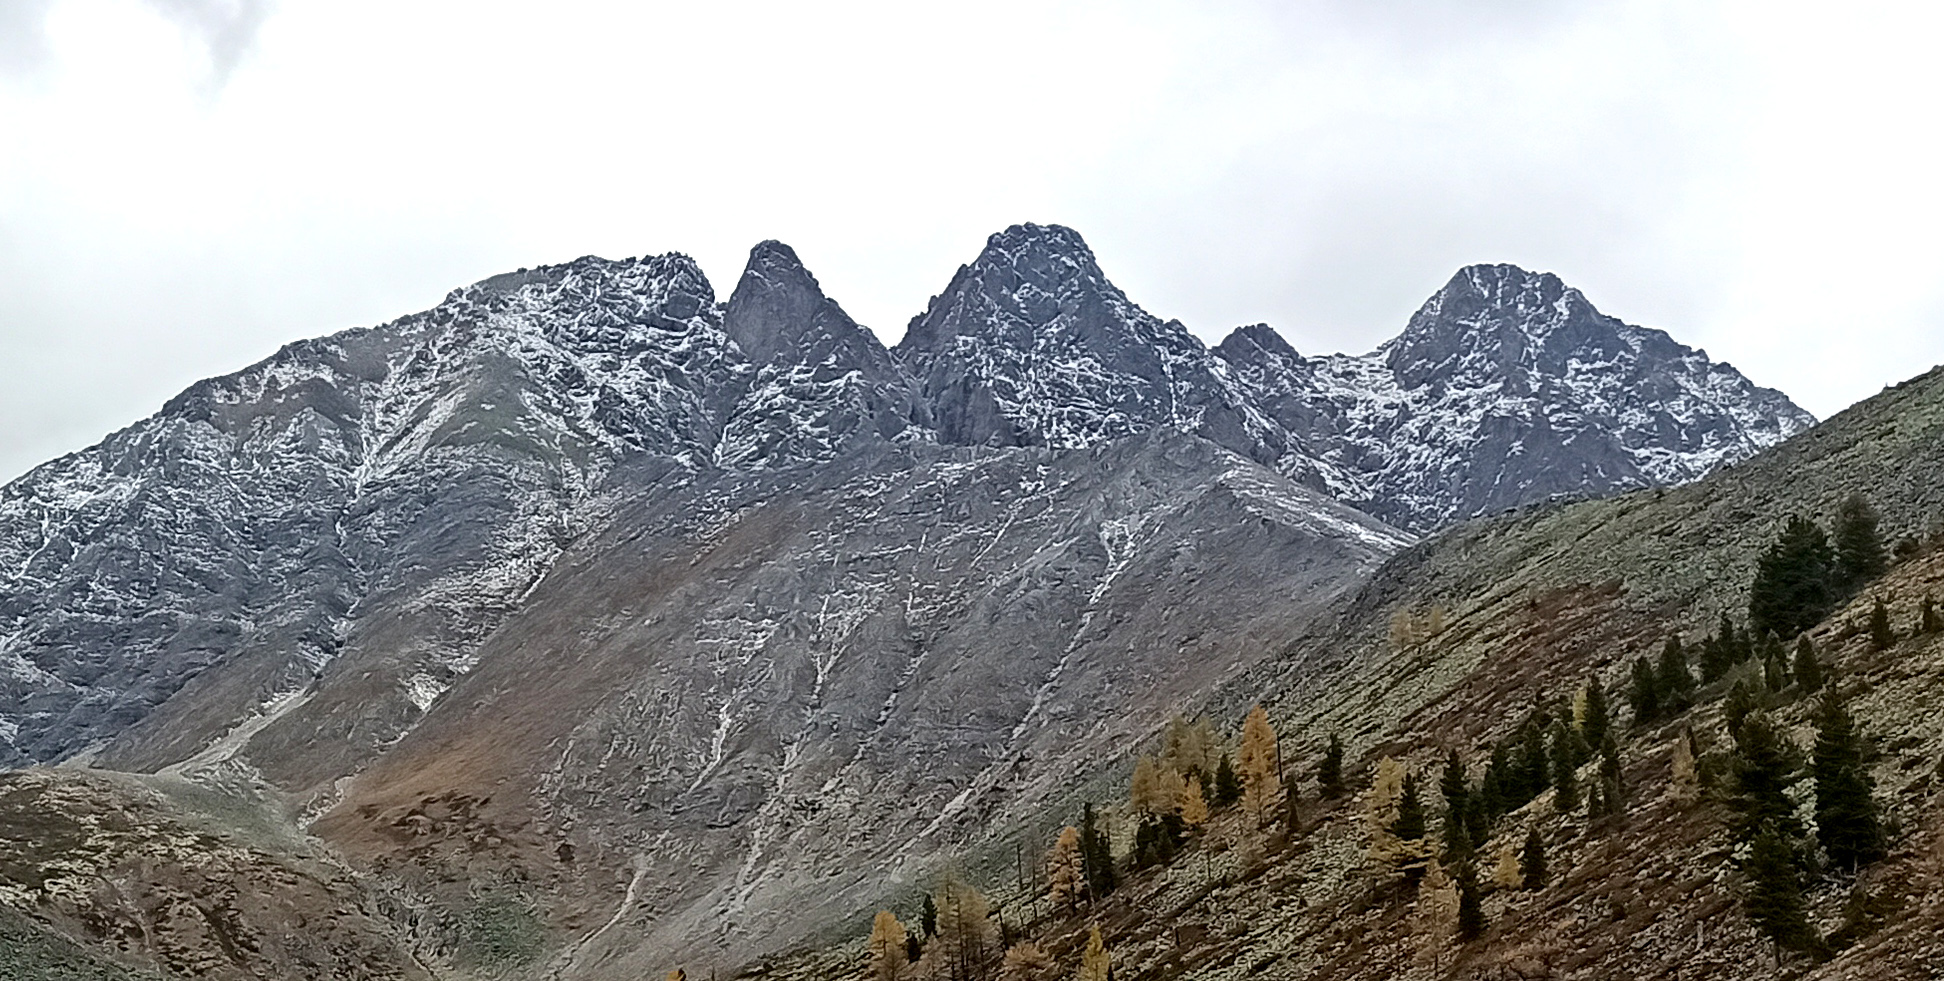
(1505, 873)
(1565, 776)
(928, 916)
(1672, 680)
(1256, 758)
(1145, 793)
(1859, 550)
(1762, 776)
(1774, 898)
(967, 942)
(1065, 875)
(1735, 708)
(1025, 961)
(1535, 766)
(1611, 776)
(1190, 748)
(1927, 622)
(1599, 718)
(1330, 772)
(1645, 693)
(1096, 856)
(1471, 908)
(1410, 824)
(887, 946)
(1881, 636)
(1094, 962)
(1478, 819)
(1532, 860)
(1453, 785)
(1228, 788)
(1846, 811)
(1190, 805)
(1492, 788)
(1794, 581)
(1718, 650)
(1775, 674)
(1808, 670)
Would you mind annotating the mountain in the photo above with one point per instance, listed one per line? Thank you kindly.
(631, 624)
(1506, 387)
(1530, 606)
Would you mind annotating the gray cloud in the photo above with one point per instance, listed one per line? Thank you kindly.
(23, 37)
(226, 29)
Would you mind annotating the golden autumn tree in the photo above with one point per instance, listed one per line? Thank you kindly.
(1025, 961)
(1094, 962)
(886, 946)
(1190, 804)
(966, 946)
(1256, 758)
(1190, 748)
(1145, 791)
(1065, 873)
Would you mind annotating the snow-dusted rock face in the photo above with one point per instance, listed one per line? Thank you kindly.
(1507, 387)
(385, 495)
(702, 621)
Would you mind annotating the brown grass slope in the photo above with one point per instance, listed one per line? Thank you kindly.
(1531, 605)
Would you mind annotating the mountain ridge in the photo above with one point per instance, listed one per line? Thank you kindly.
(696, 556)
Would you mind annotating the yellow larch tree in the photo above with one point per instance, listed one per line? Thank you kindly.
(1190, 804)
(1256, 759)
(1094, 962)
(1065, 874)
(886, 946)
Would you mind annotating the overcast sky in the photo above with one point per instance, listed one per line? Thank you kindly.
(185, 185)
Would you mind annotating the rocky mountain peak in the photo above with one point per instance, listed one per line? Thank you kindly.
(1256, 344)
(779, 312)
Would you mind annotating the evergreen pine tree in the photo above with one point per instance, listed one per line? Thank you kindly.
(1330, 772)
(1881, 636)
(1645, 694)
(928, 917)
(1762, 775)
(1535, 766)
(1599, 718)
(1471, 908)
(1611, 776)
(1927, 617)
(1410, 824)
(1741, 700)
(1565, 776)
(1478, 819)
(1717, 651)
(1846, 811)
(1808, 670)
(1774, 898)
(1492, 788)
(1775, 674)
(1532, 860)
(1097, 855)
(1672, 679)
(1859, 550)
(1457, 800)
(1793, 587)
(1228, 788)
